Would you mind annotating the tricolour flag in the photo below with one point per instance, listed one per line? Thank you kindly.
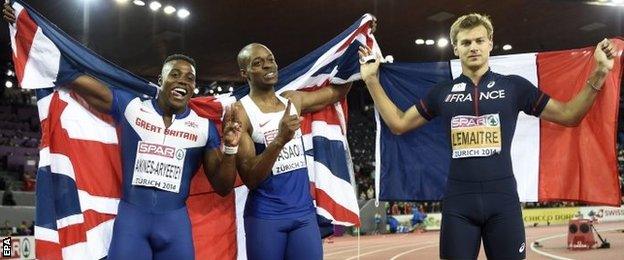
(550, 162)
(79, 176)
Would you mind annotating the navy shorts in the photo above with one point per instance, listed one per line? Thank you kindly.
(277, 239)
(144, 235)
(491, 211)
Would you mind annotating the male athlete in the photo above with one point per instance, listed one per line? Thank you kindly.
(481, 200)
(163, 142)
(280, 218)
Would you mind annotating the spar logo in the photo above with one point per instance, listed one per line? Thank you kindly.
(156, 149)
(490, 120)
(180, 154)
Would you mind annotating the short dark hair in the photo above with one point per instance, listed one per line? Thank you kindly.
(470, 21)
(180, 57)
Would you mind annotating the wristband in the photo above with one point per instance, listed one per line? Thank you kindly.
(230, 150)
(368, 59)
(593, 86)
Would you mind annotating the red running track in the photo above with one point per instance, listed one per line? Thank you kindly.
(425, 245)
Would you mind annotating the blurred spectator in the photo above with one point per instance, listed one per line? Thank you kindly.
(426, 207)
(2, 183)
(436, 207)
(32, 227)
(394, 209)
(7, 197)
(407, 208)
(23, 229)
(418, 219)
(393, 223)
(370, 193)
(378, 224)
(6, 229)
(29, 180)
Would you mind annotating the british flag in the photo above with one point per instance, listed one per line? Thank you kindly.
(79, 176)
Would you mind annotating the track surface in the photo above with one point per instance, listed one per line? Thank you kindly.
(425, 245)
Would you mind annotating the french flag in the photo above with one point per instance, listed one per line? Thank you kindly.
(79, 176)
(550, 162)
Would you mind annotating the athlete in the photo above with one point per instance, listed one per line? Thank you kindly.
(280, 218)
(163, 142)
(480, 109)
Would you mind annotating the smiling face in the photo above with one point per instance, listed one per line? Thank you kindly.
(473, 47)
(258, 66)
(177, 85)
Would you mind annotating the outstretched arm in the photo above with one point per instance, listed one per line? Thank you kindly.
(572, 112)
(397, 120)
(316, 100)
(95, 93)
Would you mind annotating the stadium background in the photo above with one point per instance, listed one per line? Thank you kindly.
(138, 38)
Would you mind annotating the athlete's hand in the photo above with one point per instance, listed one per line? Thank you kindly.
(369, 70)
(605, 54)
(231, 126)
(288, 126)
(8, 13)
(373, 25)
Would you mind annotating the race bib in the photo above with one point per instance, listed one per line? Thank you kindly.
(291, 157)
(475, 136)
(158, 166)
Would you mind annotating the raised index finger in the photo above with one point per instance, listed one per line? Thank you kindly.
(235, 112)
(228, 114)
(287, 111)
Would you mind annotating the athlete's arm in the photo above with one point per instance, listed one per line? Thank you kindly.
(397, 120)
(220, 168)
(315, 100)
(95, 93)
(252, 168)
(572, 112)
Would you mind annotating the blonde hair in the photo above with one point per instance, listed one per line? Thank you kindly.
(470, 21)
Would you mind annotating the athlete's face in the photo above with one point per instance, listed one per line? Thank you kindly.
(261, 69)
(473, 47)
(178, 83)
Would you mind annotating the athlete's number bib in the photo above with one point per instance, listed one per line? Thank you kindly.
(158, 166)
(291, 157)
(475, 136)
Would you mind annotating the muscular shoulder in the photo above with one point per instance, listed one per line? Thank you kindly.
(242, 116)
(131, 106)
(296, 97)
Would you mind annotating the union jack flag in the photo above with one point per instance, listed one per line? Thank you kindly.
(79, 176)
